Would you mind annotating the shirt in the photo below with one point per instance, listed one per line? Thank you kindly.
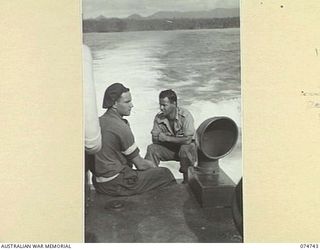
(183, 124)
(118, 145)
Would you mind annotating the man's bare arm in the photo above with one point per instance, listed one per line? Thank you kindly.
(179, 140)
(142, 164)
(175, 139)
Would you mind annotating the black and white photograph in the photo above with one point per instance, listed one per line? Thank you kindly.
(163, 121)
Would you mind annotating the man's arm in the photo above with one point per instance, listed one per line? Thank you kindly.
(158, 137)
(142, 164)
(131, 151)
(155, 139)
(156, 130)
(188, 131)
(174, 139)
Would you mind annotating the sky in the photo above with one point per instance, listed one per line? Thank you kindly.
(125, 8)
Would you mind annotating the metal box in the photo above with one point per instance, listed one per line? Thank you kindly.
(211, 190)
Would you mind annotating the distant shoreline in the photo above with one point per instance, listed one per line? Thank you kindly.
(124, 25)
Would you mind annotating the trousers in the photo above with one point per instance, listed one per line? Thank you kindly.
(131, 181)
(185, 154)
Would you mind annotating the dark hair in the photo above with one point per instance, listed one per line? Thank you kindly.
(112, 94)
(170, 94)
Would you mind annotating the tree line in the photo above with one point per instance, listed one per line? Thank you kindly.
(120, 25)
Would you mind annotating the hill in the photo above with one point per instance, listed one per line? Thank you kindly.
(216, 13)
(166, 20)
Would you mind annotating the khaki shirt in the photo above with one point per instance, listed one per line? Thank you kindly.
(183, 124)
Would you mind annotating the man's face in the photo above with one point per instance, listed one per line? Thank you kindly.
(124, 104)
(166, 106)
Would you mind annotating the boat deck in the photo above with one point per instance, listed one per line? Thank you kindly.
(168, 215)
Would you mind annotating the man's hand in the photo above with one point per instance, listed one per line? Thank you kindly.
(163, 137)
(149, 164)
(142, 164)
(180, 139)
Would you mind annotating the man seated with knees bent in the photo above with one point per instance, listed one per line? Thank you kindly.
(113, 173)
(173, 134)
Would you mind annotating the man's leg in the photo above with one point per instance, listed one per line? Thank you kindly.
(153, 178)
(188, 157)
(157, 153)
(131, 182)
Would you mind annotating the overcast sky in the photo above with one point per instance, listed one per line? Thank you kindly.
(124, 8)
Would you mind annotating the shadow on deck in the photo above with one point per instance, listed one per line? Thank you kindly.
(168, 215)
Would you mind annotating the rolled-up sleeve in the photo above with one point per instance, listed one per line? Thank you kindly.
(156, 130)
(188, 125)
(128, 146)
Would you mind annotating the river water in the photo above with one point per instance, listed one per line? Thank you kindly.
(202, 66)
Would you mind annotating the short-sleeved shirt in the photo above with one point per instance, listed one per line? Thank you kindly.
(183, 124)
(118, 145)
